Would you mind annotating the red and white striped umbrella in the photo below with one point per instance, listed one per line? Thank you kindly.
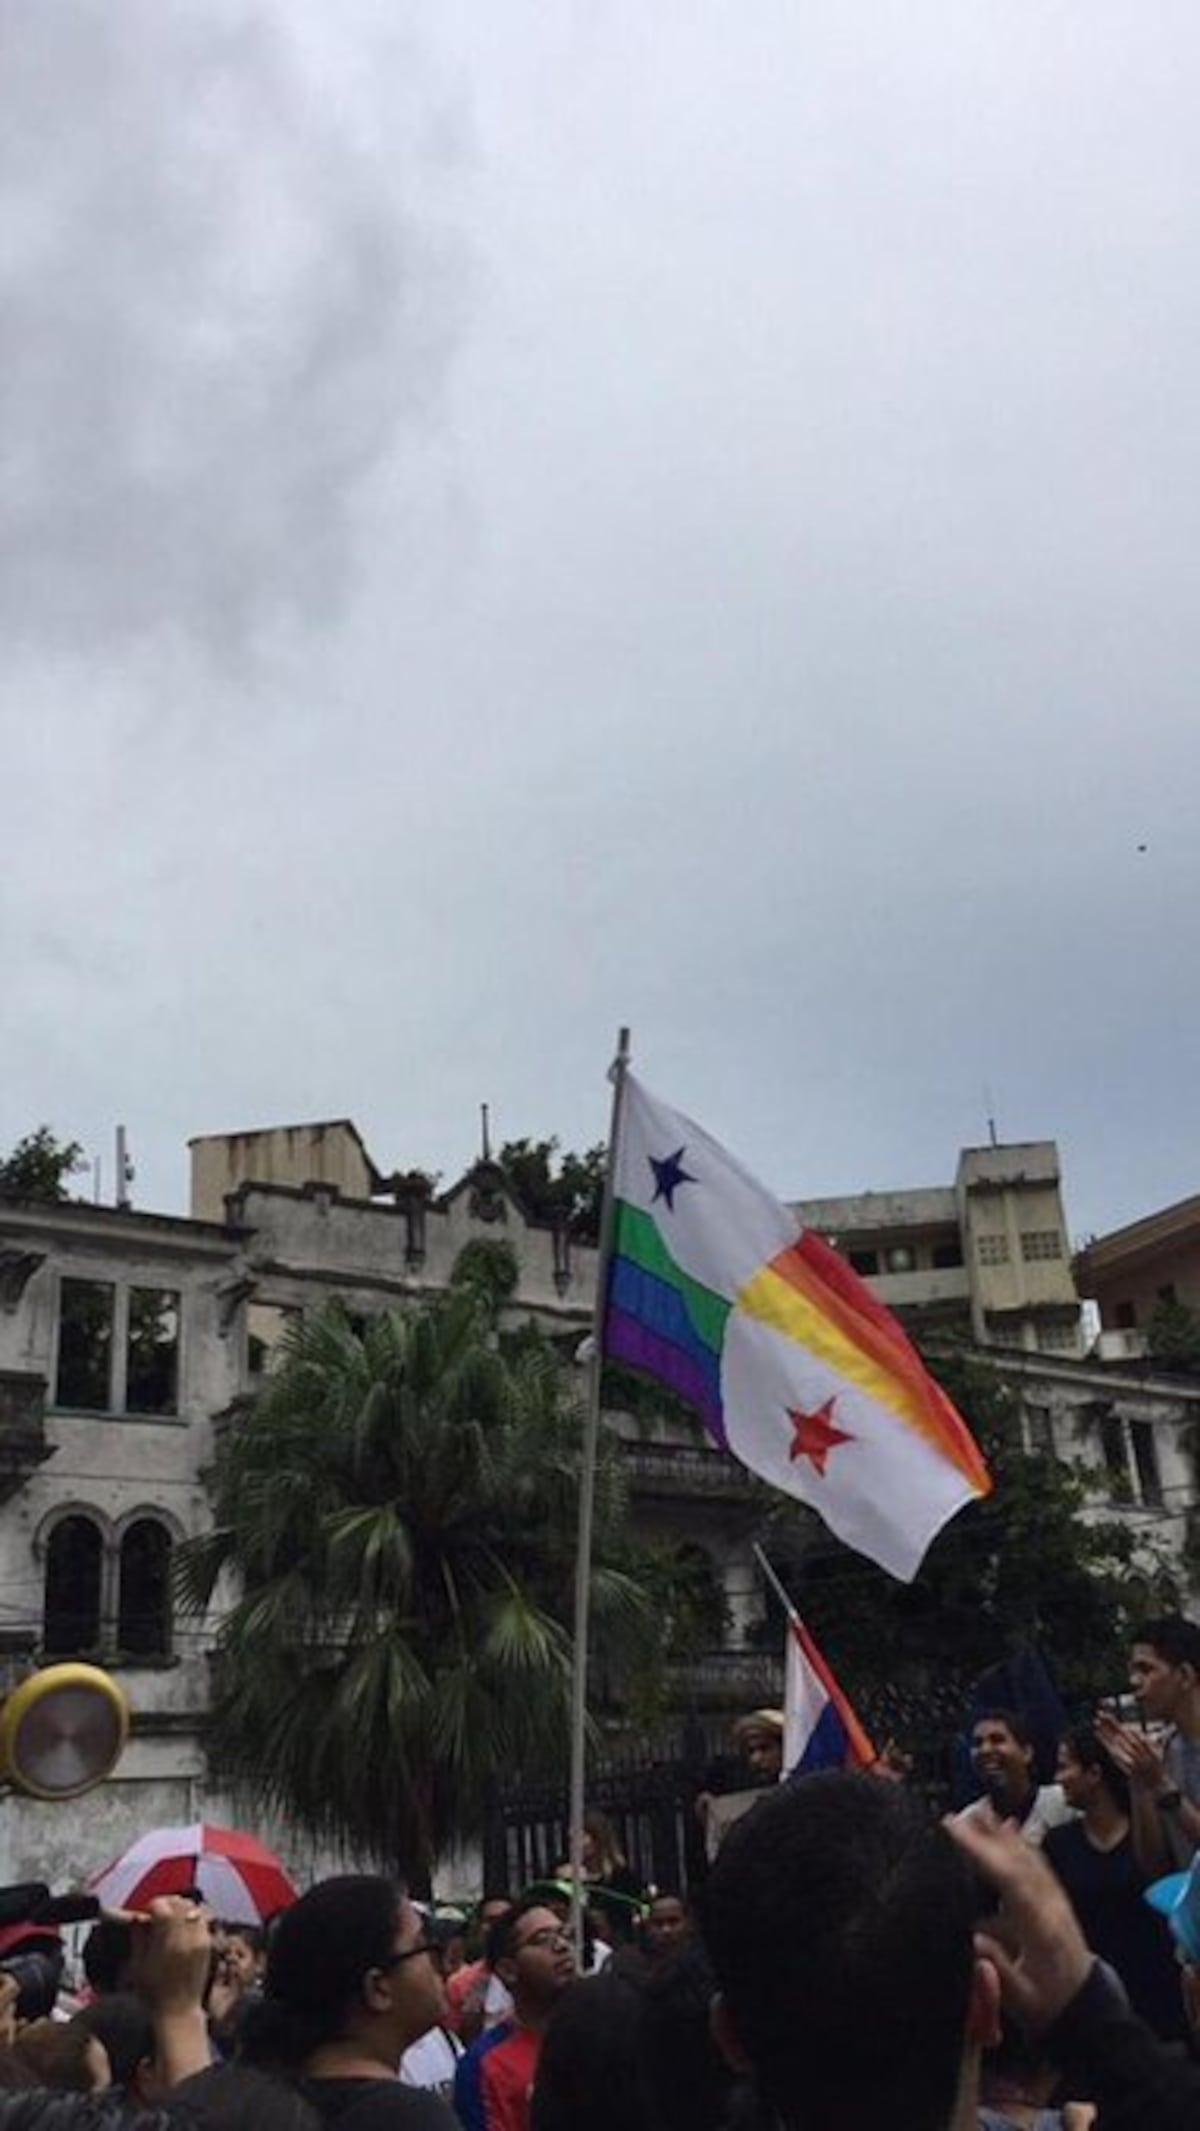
(240, 1879)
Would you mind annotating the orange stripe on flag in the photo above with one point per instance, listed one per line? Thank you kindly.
(811, 1295)
(861, 1751)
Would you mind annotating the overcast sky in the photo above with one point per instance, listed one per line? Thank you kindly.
(517, 517)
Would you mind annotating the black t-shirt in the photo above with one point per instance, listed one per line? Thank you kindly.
(1105, 1887)
(377, 2105)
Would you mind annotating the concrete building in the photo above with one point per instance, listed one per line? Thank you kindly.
(987, 1255)
(1134, 1269)
(120, 1340)
(127, 1337)
(328, 1153)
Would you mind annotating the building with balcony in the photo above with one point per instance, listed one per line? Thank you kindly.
(986, 1256)
(1131, 1271)
(128, 1338)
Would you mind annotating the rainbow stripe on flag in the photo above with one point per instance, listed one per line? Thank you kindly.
(715, 1291)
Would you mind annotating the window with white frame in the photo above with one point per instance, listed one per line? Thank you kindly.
(1041, 1243)
(992, 1250)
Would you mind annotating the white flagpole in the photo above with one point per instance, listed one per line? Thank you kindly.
(776, 1586)
(793, 1619)
(587, 1504)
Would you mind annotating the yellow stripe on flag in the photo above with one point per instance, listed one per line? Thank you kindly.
(777, 1302)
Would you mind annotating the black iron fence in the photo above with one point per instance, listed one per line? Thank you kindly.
(648, 1789)
(649, 1796)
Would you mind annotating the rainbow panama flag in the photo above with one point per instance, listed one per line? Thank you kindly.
(716, 1290)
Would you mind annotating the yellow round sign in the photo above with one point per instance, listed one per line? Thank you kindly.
(62, 1731)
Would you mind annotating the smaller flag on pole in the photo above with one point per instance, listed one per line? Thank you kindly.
(820, 1727)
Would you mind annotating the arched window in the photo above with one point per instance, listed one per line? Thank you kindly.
(144, 1590)
(74, 1572)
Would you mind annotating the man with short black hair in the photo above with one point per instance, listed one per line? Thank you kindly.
(840, 1926)
(1164, 1778)
(529, 1948)
(1004, 1760)
(667, 1927)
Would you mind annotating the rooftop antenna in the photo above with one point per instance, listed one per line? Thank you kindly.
(991, 1120)
(485, 1133)
(125, 1170)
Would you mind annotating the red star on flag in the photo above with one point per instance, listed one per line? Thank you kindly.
(816, 1435)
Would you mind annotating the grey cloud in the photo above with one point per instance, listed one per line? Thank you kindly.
(214, 311)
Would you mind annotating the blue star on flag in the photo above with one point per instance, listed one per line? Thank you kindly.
(669, 1174)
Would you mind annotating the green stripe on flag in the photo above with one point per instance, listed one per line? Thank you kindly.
(639, 1239)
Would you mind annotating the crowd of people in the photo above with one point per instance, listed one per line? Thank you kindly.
(1031, 1963)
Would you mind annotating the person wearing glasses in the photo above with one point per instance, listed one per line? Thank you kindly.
(530, 1951)
(353, 1979)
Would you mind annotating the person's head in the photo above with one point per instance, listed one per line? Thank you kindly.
(245, 1953)
(1016, 2069)
(487, 1912)
(686, 2079)
(759, 1740)
(33, 1958)
(841, 1930)
(108, 1955)
(448, 1925)
(64, 2055)
(614, 1917)
(668, 1924)
(588, 2075)
(1164, 1667)
(123, 2025)
(602, 1853)
(1002, 1756)
(530, 1950)
(350, 1962)
(1087, 1772)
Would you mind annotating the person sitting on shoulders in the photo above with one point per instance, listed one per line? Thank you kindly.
(1003, 1757)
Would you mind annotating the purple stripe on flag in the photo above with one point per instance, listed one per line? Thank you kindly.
(626, 1340)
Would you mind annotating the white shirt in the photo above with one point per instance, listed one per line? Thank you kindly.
(430, 2061)
(1049, 1810)
(497, 2002)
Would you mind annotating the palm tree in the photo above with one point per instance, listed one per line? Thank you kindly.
(396, 1513)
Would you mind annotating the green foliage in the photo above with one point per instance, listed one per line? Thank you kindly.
(1022, 1569)
(1173, 1338)
(567, 1188)
(488, 1266)
(39, 1166)
(397, 1509)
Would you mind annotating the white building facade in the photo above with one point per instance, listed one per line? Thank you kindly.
(127, 1338)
